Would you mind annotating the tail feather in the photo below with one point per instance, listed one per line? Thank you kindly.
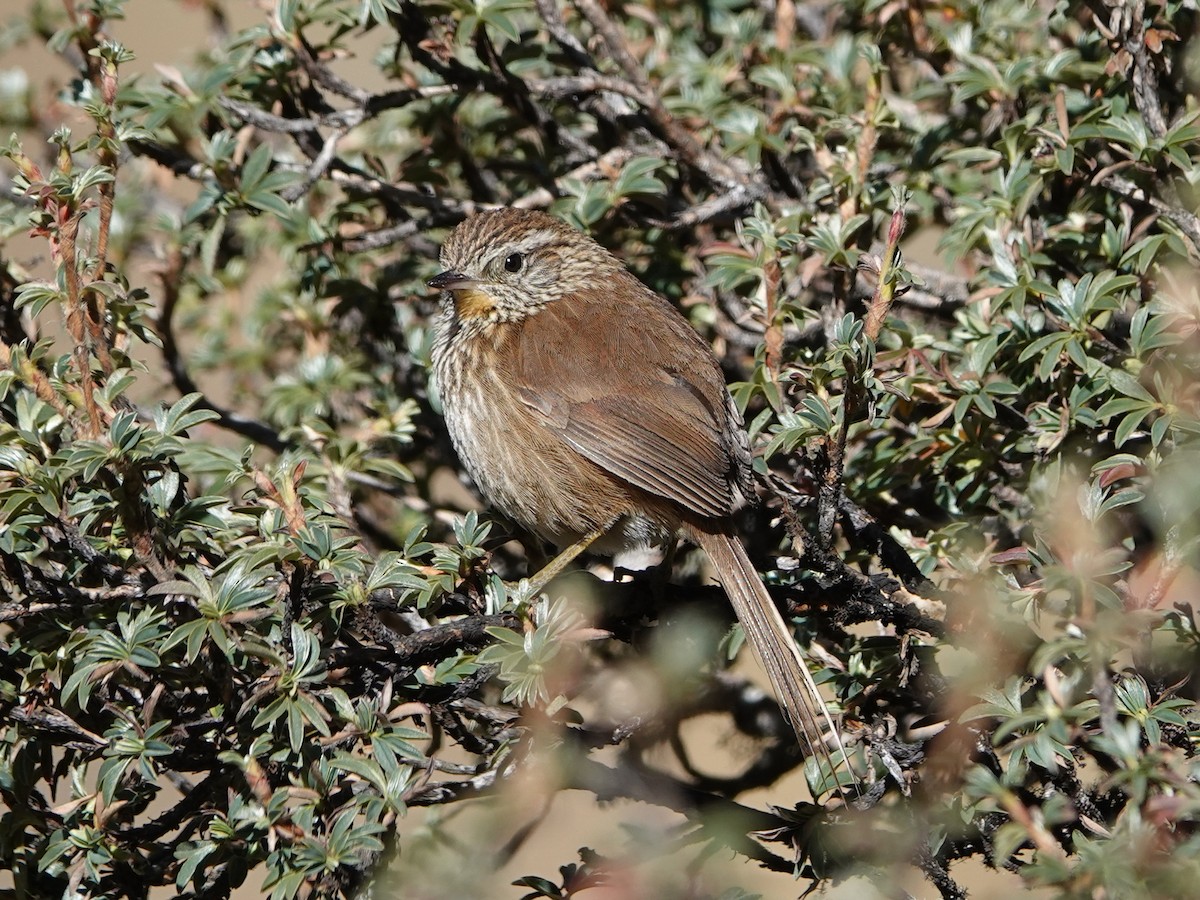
(772, 641)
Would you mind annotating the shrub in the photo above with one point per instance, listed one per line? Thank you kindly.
(249, 622)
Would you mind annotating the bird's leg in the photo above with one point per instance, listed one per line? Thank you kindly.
(554, 568)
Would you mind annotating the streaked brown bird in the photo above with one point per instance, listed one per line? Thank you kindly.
(588, 410)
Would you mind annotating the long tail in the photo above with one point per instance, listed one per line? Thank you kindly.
(772, 642)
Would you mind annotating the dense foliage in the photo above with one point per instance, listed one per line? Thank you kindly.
(248, 623)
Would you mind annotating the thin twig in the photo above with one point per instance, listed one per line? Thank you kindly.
(689, 151)
(1188, 222)
(259, 432)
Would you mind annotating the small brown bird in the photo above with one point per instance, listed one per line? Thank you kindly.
(588, 410)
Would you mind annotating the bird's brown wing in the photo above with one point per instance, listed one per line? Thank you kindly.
(646, 400)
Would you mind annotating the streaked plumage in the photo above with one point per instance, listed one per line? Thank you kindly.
(577, 397)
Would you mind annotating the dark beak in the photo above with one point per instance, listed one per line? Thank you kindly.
(450, 280)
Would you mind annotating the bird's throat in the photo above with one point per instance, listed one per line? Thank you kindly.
(472, 303)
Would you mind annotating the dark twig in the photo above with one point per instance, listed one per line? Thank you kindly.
(553, 20)
(259, 432)
(689, 151)
(326, 78)
(631, 781)
(1126, 27)
(316, 169)
(440, 641)
(867, 532)
(1188, 222)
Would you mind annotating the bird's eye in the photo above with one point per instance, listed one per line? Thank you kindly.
(513, 262)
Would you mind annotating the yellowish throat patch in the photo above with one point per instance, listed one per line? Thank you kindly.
(471, 303)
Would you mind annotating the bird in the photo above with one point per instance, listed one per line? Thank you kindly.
(588, 410)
